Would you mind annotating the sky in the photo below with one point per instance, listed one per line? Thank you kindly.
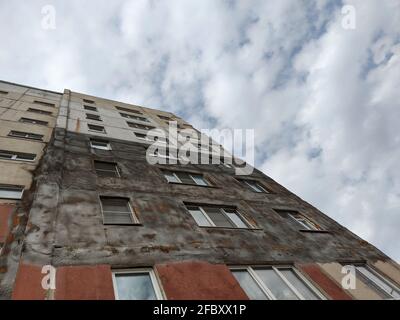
(318, 81)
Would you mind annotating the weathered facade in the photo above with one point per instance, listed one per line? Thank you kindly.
(115, 226)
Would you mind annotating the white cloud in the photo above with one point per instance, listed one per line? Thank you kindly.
(323, 100)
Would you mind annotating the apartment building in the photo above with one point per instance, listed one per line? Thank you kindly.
(108, 224)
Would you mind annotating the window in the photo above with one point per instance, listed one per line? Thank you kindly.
(186, 178)
(19, 156)
(34, 121)
(90, 108)
(100, 144)
(209, 216)
(128, 110)
(3, 92)
(46, 104)
(11, 192)
(25, 135)
(142, 136)
(93, 127)
(301, 220)
(130, 116)
(377, 282)
(88, 101)
(165, 118)
(47, 113)
(253, 186)
(106, 169)
(139, 126)
(138, 284)
(93, 117)
(117, 211)
(275, 283)
(170, 154)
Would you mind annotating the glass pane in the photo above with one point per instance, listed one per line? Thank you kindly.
(219, 219)
(184, 177)
(199, 217)
(25, 156)
(171, 177)
(136, 286)
(115, 204)
(300, 286)
(10, 193)
(304, 222)
(254, 186)
(199, 180)
(249, 286)
(389, 291)
(105, 166)
(236, 219)
(117, 217)
(276, 285)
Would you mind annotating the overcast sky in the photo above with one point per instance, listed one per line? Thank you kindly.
(324, 100)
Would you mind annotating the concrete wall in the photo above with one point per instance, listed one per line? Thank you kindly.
(65, 226)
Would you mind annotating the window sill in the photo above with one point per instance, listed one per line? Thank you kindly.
(230, 228)
(193, 185)
(123, 224)
(314, 231)
(102, 132)
(26, 139)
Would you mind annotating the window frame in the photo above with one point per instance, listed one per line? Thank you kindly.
(190, 174)
(264, 288)
(115, 164)
(247, 182)
(159, 293)
(90, 108)
(94, 130)
(140, 126)
(94, 117)
(40, 136)
(44, 103)
(16, 154)
(308, 225)
(134, 218)
(291, 213)
(128, 110)
(34, 121)
(134, 117)
(39, 111)
(5, 186)
(369, 282)
(108, 148)
(221, 209)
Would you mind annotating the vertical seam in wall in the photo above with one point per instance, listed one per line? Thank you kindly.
(59, 182)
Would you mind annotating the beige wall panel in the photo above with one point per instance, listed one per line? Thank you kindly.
(389, 269)
(7, 126)
(362, 292)
(16, 173)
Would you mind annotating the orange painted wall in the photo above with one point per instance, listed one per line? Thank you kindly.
(5, 212)
(324, 282)
(200, 281)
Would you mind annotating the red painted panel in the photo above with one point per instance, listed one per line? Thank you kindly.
(5, 212)
(199, 281)
(324, 282)
(28, 283)
(84, 283)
